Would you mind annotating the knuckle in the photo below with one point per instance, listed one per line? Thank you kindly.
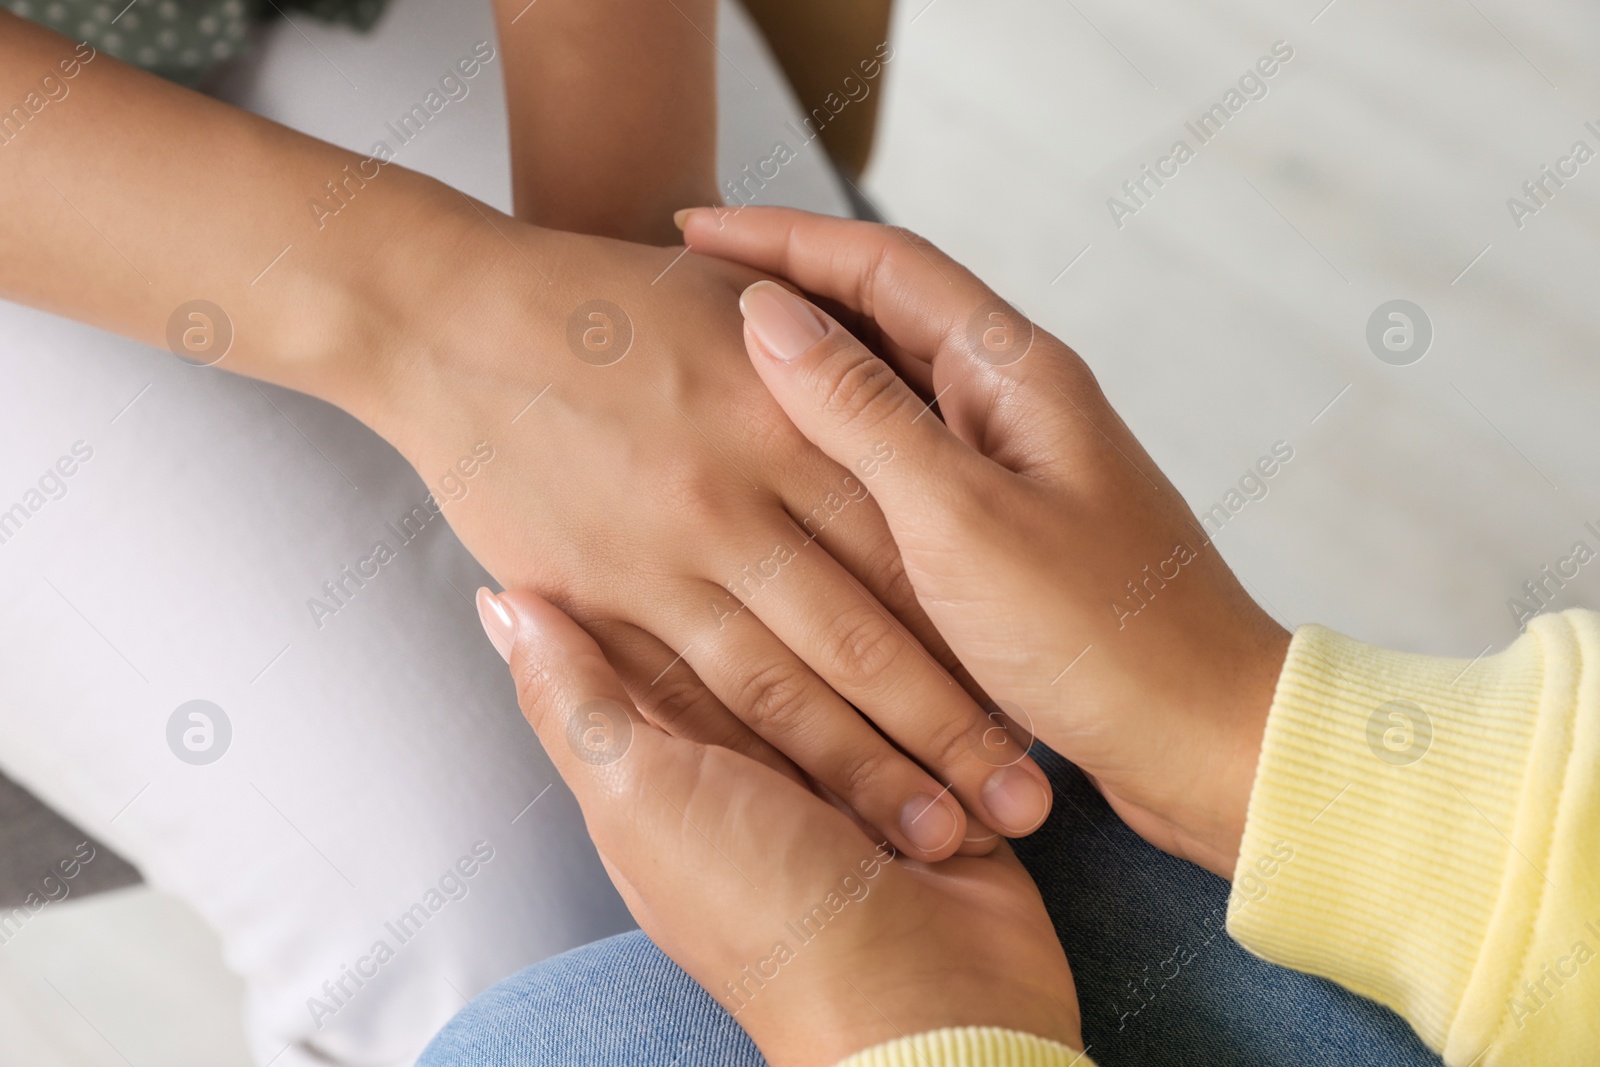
(1076, 379)
(902, 254)
(886, 576)
(675, 701)
(546, 686)
(774, 701)
(861, 390)
(873, 275)
(867, 773)
(953, 743)
(535, 688)
(911, 240)
(862, 646)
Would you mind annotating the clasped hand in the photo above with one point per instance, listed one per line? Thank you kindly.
(1024, 512)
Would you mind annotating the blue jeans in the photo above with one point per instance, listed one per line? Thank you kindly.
(1158, 979)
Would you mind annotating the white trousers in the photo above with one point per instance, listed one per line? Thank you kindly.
(382, 835)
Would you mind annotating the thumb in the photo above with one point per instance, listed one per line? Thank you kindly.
(680, 826)
(849, 403)
(649, 799)
(607, 753)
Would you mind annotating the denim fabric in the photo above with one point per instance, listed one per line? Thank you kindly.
(616, 1003)
(1159, 981)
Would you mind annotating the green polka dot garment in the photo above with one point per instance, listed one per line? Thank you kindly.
(179, 39)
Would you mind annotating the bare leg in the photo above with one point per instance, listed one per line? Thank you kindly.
(613, 107)
(820, 43)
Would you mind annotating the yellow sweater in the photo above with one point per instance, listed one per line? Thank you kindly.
(1441, 820)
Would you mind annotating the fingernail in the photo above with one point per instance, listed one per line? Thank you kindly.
(497, 623)
(927, 823)
(680, 217)
(783, 323)
(1016, 800)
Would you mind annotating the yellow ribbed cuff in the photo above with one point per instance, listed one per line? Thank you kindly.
(1401, 822)
(970, 1046)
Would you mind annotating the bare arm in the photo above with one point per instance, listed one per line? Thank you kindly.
(439, 322)
(613, 112)
(124, 197)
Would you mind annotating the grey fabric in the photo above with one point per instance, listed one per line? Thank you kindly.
(38, 848)
(183, 40)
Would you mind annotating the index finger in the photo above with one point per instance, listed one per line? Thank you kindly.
(932, 317)
(920, 299)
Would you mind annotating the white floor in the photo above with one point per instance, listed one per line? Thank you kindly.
(131, 977)
(1228, 313)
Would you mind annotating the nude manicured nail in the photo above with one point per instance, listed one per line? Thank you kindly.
(681, 216)
(927, 823)
(1016, 800)
(783, 323)
(497, 623)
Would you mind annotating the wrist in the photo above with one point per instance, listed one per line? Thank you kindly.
(1243, 706)
(1244, 714)
(1189, 792)
(359, 306)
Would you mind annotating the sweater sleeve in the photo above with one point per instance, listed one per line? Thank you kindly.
(1426, 832)
(970, 1046)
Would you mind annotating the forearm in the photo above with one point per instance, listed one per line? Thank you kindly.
(613, 112)
(126, 197)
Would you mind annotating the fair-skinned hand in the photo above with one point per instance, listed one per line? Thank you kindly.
(818, 938)
(655, 496)
(744, 584)
(1066, 572)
